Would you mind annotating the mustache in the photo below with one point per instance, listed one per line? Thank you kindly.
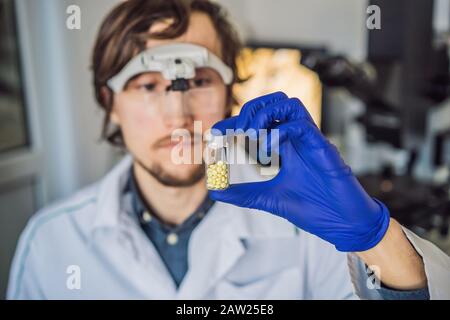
(193, 136)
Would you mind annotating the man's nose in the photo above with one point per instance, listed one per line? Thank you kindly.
(175, 111)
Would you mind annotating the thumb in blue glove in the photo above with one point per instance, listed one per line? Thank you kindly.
(314, 189)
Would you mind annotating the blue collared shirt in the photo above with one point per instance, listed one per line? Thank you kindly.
(170, 241)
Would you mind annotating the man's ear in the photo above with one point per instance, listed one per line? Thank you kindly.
(114, 117)
(107, 98)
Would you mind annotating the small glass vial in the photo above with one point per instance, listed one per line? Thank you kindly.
(217, 166)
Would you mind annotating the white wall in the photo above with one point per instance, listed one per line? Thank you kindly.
(340, 25)
(68, 117)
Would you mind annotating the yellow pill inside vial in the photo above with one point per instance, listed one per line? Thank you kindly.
(217, 171)
(217, 177)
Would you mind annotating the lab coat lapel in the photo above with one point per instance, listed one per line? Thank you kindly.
(127, 259)
(123, 245)
(214, 249)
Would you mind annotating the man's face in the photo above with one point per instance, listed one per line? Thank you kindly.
(147, 133)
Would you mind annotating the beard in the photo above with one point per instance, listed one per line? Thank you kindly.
(170, 180)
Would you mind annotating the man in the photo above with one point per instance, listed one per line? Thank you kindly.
(150, 230)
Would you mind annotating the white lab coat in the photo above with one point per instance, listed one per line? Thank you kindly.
(88, 247)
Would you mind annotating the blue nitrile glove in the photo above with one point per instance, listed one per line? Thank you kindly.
(315, 189)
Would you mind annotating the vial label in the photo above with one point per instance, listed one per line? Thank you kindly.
(217, 176)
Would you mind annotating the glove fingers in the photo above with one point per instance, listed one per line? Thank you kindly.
(300, 132)
(312, 146)
(240, 194)
(279, 113)
(272, 141)
(250, 109)
(222, 126)
(309, 144)
(262, 112)
(303, 134)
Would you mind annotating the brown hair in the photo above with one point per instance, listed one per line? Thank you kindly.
(124, 32)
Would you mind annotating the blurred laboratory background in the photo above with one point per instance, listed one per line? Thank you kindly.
(381, 95)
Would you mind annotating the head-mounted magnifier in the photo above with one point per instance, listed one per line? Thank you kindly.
(176, 62)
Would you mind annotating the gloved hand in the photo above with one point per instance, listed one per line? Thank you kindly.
(314, 189)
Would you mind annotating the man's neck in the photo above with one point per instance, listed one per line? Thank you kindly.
(172, 205)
